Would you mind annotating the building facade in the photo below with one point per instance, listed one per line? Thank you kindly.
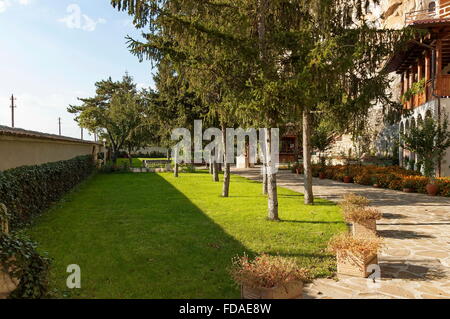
(424, 65)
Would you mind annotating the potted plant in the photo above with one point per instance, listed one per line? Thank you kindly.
(364, 221)
(375, 182)
(363, 218)
(354, 255)
(23, 272)
(347, 161)
(408, 185)
(429, 139)
(7, 284)
(268, 277)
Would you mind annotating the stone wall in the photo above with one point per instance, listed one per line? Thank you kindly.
(18, 151)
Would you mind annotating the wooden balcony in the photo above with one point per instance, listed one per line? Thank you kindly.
(442, 89)
(440, 13)
(443, 86)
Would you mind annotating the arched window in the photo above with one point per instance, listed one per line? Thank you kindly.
(432, 6)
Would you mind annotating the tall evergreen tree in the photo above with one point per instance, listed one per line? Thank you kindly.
(298, 57)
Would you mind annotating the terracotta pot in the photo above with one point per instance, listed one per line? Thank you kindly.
(432, 189)
(350, 264)
(322, 175)
(290, 290)
(365, 229)
(408, 190)
(347, 179)
(7, 285)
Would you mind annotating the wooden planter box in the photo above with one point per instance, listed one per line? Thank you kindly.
(291, 290)
(353, 265)
(7, 285)
(365, 229)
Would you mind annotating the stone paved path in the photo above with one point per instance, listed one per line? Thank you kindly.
(415, 260)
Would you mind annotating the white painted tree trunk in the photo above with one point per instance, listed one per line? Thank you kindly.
(307, 164)
(271, 181)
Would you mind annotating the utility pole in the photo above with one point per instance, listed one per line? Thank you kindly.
(81, 133)
(59, 124)
(13, 106)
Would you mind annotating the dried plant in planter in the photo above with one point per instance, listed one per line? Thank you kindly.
(364, 221)
(358, 215)
(363, 218)
(351, 201)
(354, 255)
(268, 277)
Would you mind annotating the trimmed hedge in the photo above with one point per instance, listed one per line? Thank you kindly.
(391, 177)
(29, 190)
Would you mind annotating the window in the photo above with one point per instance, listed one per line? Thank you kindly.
(432, 6)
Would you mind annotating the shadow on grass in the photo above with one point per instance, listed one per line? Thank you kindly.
(132, 242)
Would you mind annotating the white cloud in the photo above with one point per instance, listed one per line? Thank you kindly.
(77, 20)
(5, 4)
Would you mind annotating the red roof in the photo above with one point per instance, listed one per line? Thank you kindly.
(10, 131)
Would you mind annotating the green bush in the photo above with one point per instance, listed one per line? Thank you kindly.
(21, 261)
(29, 190)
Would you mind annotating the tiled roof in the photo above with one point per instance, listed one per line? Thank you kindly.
(9, 131)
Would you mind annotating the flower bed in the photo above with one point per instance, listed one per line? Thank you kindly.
(391, 177)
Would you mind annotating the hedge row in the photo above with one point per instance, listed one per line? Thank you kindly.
(28, 190)
(391, 177)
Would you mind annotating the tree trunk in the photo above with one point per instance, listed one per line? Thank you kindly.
(114, 155)
(215, 172)
(176, 170)
(308, 181)
(130, 157)
(264, 174)
(176, 167)
(211, 169)
(226, 181)
(271, 181)
(226, 175)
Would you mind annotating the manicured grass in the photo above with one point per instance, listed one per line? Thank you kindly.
(154, 236)
(137, 162)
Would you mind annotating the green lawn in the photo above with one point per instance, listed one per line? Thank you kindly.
(154, 236)
(138, 162)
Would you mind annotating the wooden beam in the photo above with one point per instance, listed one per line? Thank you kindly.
(438, 57)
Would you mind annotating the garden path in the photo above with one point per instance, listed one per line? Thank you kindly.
(415, 260)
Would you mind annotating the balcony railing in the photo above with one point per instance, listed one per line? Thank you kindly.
(438, 13)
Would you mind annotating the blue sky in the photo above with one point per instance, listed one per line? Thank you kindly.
(48, 58)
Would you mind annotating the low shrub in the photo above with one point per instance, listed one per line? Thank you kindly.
(21, 261)
(361, 214)
(391, 177)
(353, 200)
(29, 190)
(266, 271)
(444, 186)
(345, 244)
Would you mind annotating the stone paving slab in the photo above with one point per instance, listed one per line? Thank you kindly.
(415, 259)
